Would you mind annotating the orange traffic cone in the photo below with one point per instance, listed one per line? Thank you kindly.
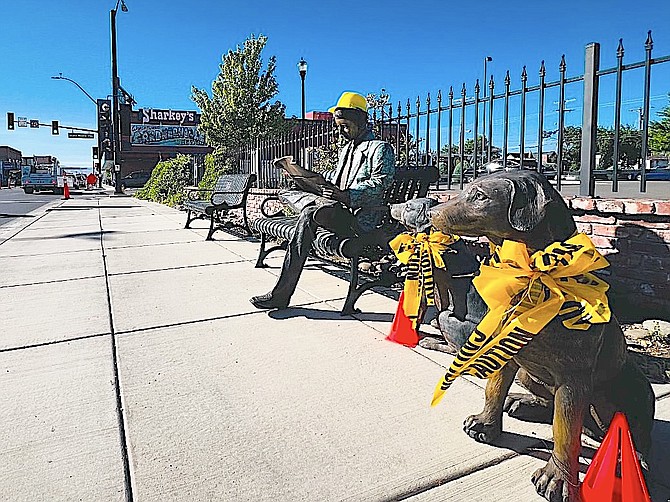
(66, 191)
(615, 474)
(402, 330)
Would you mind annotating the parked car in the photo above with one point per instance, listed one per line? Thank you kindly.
(136, 179)
(622, 174)
(495, 166)
(660, 174)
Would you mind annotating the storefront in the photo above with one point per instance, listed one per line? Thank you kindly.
(150, 135)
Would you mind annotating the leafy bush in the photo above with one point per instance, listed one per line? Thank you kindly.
(215, 165)
(167, 181)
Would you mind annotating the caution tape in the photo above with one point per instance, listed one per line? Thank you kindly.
(420, 252)
(523, 294)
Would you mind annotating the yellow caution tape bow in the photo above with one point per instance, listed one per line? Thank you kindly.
(420, 252)
(523, 294)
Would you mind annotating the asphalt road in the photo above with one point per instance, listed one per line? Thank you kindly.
(14, 203)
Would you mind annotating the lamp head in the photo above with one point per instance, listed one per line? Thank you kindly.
(302, 66)
(123, 6)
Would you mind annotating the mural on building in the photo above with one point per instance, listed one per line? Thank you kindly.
(165, 135)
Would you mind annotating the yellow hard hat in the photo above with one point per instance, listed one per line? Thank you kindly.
(351, 100)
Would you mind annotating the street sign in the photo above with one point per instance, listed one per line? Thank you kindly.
(34, 123)
(80, 135)
(22, 121)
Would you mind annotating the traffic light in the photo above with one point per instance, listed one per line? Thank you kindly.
(54, 127)
(95, 153)
(10, 121)
(105, 128)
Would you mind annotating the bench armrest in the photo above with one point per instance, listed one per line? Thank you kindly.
(264, 209)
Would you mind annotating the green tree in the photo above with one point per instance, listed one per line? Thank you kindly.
(240, 110)
(605, 147)
(468, 154)
(572, 148)
(630, 146)
(659, 133)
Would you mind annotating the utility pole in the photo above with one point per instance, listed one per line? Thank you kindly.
(116, 129)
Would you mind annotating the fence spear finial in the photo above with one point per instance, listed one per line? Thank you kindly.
(619, 49)
(649, 44)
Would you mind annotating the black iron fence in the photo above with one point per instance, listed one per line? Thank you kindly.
(306, 143)
(452, 131)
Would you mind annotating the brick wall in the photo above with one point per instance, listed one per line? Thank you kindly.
(634, 235)
(256, 198)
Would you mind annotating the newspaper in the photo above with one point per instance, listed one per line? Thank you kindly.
(307, 180)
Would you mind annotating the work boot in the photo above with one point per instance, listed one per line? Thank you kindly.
(266, 301)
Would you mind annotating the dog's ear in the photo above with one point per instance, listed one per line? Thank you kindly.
(420, 208)
(529, 197)
(422, 218)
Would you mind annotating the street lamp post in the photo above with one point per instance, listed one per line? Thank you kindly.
(61, 77)
(487, 59)
(302, 69)
(116, 123)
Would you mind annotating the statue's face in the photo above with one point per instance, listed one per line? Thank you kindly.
(347, 128)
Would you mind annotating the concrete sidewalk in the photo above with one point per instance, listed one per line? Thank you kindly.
(132, 366)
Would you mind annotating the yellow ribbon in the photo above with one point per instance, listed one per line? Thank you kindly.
(523, 294)
(420, 252)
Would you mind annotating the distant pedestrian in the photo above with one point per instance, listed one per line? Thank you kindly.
(91, 180)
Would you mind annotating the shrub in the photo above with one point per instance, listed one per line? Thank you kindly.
(215, 166)
(167, 181)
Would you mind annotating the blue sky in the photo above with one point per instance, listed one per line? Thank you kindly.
(409, 48)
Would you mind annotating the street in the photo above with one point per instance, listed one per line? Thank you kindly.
(14, 203)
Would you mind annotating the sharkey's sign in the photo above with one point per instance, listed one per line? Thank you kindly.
(168, 117)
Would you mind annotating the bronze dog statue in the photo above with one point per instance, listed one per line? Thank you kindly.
(459, 305)
(572, 372)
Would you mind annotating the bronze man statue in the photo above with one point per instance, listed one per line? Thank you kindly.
(365, 170)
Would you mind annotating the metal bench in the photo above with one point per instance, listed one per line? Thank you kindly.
(409, 182)
(230, 192)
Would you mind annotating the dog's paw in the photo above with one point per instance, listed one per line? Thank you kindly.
(552, 484)
(478, 429)
(529, 408)
(436, 344)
